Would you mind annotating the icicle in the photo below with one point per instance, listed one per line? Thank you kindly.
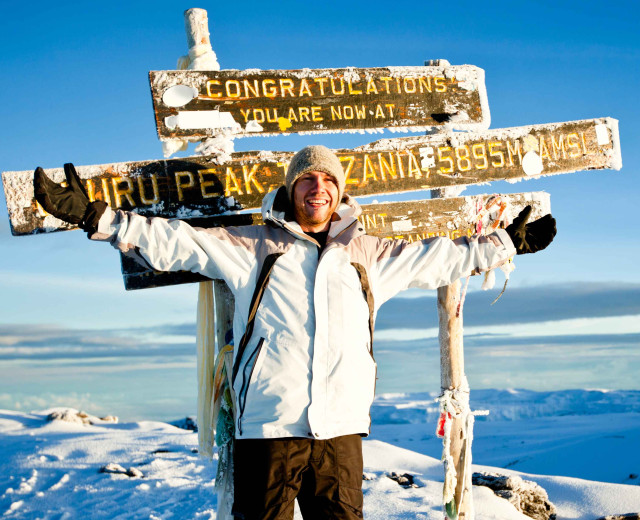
(462, 297)
(205, 342)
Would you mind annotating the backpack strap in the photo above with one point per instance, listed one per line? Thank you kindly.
(368, 296)
(261, 284)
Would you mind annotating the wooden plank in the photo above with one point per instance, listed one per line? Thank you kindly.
(412, 221)
(197, 104)
(198, 186)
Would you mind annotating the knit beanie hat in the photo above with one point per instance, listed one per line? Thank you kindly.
(316, 158)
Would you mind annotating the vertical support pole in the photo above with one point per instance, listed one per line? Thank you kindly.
(202, 57)
(452, 376)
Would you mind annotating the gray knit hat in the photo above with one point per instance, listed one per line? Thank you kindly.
(315, 158)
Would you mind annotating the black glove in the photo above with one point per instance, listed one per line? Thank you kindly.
(529, 238)
(70, 204)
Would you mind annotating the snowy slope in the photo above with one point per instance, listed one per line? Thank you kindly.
(51, 469)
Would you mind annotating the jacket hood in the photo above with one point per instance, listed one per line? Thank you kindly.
(276, 208)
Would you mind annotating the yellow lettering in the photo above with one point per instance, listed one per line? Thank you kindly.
(390, 107)
(273, 116)
(386, 81)
(291, 116)
(351, 159)
(154, 185)
(119, 192)
(91, 190)
(493, 153)
(321, 82)
(584, 144)
(269, 88)
(258, 115)
(206, 184)
(236, 88)
(105, 191)
(425, 84)
(348, 114)
(463, 160)
(360, 111)
(304, 113)
(304, 88)
(543, 151)
(400, 169)
(574, 145)
(480, 153)
(387, 167)
(558, 147)
(513, 150)
(333, 87)
(368, 171)
(371, 86)
(443, 158)
(180, 185)
(370, 221)
(413, 167)
(245, 114)
(255, 90)
(250, 177)
(210, 84)
(410, 89)
(286, 85)
(315, 114)
(231, 183)
(379, 112)
(352, 91)
(441, 85)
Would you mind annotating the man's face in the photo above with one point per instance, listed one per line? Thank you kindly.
(315, 198)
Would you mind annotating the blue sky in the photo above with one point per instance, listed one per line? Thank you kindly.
(75, 89)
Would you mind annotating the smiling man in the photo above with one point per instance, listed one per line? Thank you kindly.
(307, 287)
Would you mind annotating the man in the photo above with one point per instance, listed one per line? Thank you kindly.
(307, 287)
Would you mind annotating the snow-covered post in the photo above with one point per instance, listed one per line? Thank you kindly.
(453, 383)
(220, 308)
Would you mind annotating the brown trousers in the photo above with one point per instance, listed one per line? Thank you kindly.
(324, 475)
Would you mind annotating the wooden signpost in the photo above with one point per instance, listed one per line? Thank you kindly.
(200, 187)
(196, 104)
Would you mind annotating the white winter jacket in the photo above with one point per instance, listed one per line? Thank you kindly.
(308, 368)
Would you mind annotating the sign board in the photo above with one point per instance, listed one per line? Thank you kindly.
(193, 105)
(412, 221)
(198, 186)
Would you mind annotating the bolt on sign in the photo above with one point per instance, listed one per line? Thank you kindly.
(412, 221)
(199, 187)
(192, 105)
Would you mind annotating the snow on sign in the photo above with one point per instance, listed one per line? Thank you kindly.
(195, 104)
(416, 220)
(199, 187)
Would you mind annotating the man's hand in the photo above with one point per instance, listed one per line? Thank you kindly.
(70, 204)
(529, 238)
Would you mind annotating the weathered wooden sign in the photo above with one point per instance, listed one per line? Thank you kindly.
(197, 186)
(193, 104)
(415, 220)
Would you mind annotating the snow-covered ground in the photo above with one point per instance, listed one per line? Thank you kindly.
(581, 446)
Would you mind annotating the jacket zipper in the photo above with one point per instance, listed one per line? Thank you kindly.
(244, 389)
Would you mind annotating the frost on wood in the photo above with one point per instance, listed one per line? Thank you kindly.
(205, 185)
(410, 221)
(270, 102)
(525, 495)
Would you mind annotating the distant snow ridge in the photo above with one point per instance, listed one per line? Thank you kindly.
(416, 408)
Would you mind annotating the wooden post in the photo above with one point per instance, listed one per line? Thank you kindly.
(201, 55)
(452, 376)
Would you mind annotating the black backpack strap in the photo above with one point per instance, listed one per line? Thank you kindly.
(368, 296)
(261, 284)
